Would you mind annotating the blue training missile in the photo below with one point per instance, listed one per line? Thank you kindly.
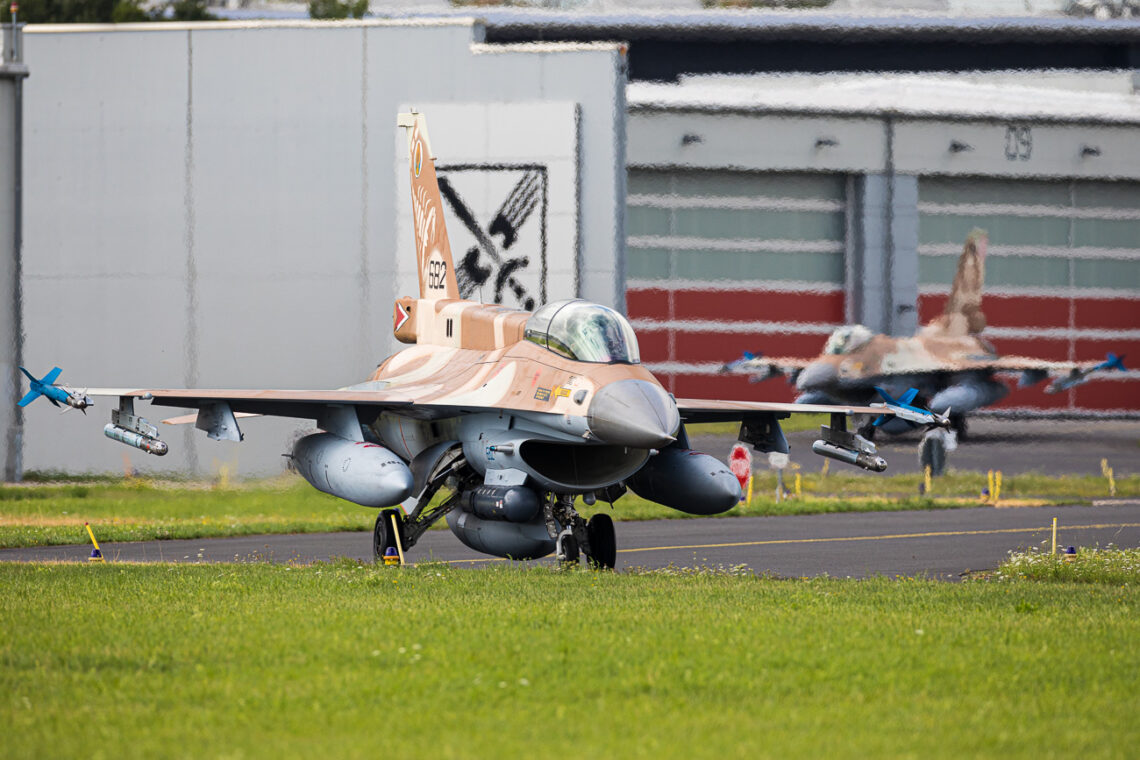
(47, 388)
(1078, 376)
(905, 410)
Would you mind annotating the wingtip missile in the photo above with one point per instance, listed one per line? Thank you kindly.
(1080, 376)
(56, 394)
(1112, 361)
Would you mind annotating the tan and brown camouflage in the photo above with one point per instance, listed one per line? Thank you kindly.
(949, 349)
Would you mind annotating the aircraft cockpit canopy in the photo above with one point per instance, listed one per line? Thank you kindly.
(583, 331)
(847, 339)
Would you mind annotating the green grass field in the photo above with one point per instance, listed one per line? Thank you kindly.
(344, 660)
(53, 511)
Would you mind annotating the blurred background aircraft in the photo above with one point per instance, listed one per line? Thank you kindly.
(948, 361)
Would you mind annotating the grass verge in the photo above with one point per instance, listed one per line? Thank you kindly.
(136, 509)
(140, 509)
(1113, 567)
(360, 661)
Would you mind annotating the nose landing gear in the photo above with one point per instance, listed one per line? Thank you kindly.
(574, 535)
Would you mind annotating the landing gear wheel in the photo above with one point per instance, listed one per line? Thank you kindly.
(567, 549)
(958, 425)
(932, 452)
(603, 542)
(383, 536)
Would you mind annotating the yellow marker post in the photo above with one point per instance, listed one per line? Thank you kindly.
(748, 496)
(97, 555)
(997, 487)
(823, 472)
(399, 544)
(928, 481)
(798, 485)
(990, 484)
(1054, 535)
(1107, 472)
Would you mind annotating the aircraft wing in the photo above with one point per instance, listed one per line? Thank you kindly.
(760, 367)
(280, 403)
(702, 410)
(1015, 364)
(759, 427)
(1066, 374)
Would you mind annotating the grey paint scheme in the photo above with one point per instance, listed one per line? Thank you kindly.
(206, 207)
(366, 474)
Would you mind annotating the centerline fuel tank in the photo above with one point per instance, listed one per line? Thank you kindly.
(503, 521)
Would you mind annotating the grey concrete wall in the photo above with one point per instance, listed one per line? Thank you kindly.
(213, 205)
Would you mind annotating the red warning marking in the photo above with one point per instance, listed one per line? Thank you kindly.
(740, 462)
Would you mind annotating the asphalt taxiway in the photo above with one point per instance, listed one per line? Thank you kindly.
(936, 544)
(1054, 447)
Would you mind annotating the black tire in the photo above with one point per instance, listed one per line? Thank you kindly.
(382, 534)
(933, 454)
(958, 424)
(603, 542)
(569, 551)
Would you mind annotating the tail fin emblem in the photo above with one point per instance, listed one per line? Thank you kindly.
(433, 252)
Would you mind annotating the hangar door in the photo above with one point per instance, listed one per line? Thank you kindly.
(722, 262)
(1062, 273)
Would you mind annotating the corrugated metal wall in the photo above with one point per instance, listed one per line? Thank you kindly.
(1062, 274)
(720, 262)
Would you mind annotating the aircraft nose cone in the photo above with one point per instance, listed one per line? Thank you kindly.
(816, 376)
(634, 413)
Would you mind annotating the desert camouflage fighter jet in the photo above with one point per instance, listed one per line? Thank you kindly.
(516, 413)
(949, 362)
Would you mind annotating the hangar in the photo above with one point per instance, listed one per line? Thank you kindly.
(221, 209)
(765, 210)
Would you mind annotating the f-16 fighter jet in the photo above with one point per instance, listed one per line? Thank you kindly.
(516, 413)
(949, 362)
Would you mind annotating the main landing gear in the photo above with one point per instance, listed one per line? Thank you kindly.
(573, 534)
(384, 533)
(423, 514)
(958, 425)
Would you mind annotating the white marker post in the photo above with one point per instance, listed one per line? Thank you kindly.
(778, 461)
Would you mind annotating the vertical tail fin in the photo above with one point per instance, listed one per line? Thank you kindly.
(433, 251)
(963, 314)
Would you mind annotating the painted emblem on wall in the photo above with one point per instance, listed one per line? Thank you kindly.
(500, 246)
